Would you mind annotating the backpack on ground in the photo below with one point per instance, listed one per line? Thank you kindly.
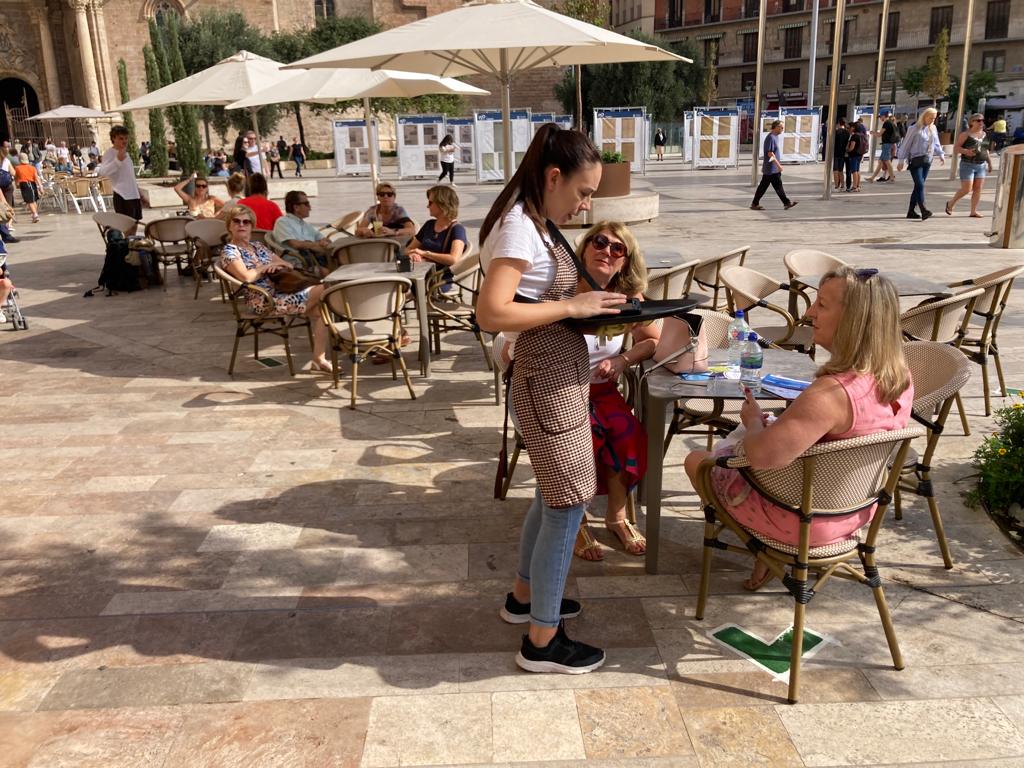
(118, 275)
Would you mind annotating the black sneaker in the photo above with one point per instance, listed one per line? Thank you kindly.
(515, 612)
(568, 657)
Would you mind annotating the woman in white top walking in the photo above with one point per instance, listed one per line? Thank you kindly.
(447, 148)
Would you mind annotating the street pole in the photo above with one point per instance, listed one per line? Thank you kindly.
(833, 96)
(878, 86)
(762, 14)
(814, 54)
(963, 86)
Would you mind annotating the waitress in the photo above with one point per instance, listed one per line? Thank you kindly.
(530, 286)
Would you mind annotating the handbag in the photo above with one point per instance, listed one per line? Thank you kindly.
(293, 280)
(676, 334)
(921, 161)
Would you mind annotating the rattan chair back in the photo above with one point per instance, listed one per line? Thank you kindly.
(368, 251)
(213, 232)
(943, 320)
(808, 261)
(110, 220)
(715, 326)
(938, 371)
(708, 274)
(674, 283)
(168, 231)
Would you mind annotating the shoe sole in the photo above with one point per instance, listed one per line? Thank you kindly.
(551, 666)
(523, 618)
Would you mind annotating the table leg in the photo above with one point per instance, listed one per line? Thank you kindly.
(419, 286)
(654, 423)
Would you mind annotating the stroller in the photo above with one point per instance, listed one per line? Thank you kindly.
(9, 310)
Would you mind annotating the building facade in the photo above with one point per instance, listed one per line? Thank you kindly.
(727, 31)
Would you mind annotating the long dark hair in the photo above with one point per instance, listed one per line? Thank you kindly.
(446, 140)
(567, 150)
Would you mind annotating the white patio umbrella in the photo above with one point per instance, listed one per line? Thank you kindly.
(228, 80)
(489, 37)
(69, 112)
(327, 86)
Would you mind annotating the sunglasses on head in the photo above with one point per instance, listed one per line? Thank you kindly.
(242, 222)
(865, 274)
(385, 193)
(617, 250)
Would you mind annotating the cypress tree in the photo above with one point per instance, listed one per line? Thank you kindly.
(129, 121)
(157, 129)
(190, 154)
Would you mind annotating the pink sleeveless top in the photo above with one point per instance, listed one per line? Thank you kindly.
(751, 510)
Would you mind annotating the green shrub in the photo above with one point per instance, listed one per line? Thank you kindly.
(1000, 463)
(312, 154)
(611, 157)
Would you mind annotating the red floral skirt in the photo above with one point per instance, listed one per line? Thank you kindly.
(620, 441)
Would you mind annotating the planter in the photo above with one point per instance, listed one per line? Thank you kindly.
(615, 180)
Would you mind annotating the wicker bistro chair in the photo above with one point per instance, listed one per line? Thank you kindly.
(802, 262)
(455, 310)
(169, 237)
(939, 372)
(829, 479)
(79, 190)
(363, 317)
(708, 274)
(253, 323)
(748, 289)
(344, 226)
(110, 220)
(368, 251)
(979, 343)
(205, 238)
(674, 284)
(945, 321)
(104, 191)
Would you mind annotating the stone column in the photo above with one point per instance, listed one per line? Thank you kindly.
(99, 53)
(41, 18)
(92, 87)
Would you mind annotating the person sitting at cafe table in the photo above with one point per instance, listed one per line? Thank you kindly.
(266, 210)
(294, 231)
(201, 203)
(441, 239)
(864, 388)
(386, 218)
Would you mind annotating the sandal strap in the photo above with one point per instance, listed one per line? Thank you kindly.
(633, 534)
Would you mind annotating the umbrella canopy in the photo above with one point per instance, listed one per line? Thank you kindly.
(491, 37)
(69, 112)
(327, 86)
(226, 81)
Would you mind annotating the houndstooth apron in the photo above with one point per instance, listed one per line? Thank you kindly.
(551, 392)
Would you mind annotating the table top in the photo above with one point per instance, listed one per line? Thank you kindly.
(663, 259)
(665, 385)
(906, 284)
(420, 269)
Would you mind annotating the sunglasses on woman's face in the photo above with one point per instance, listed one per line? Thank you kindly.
(202, 186)
(385, 194)
(241, 222)
(617, 250)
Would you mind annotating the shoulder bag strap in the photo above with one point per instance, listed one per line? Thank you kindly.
(502, 471)
(559, 238)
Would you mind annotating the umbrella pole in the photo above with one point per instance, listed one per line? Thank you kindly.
(506, 112)
(256, 129)
(578, 71)
(374, 175)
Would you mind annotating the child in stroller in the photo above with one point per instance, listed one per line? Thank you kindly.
(9, 309)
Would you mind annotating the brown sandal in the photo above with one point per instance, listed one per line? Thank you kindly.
(632, 540)
(587, 547)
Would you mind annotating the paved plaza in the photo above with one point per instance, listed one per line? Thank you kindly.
(204, 570)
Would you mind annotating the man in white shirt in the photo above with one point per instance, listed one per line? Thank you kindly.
(63, 153)
(117, 165)
(252, 154)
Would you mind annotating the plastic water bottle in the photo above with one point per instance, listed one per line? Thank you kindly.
(736, 334)
(751, 360)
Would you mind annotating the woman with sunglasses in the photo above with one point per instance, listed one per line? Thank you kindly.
(202, 204)
(864, 388)
(252, 262)
(975, 163)
(386, 218)
(529, 288)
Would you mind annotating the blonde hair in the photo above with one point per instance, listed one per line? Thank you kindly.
(920, 118)
(868, 337)
(245, 210)
(236, 184)
(632, 279)
(385, 186)
(446, 198)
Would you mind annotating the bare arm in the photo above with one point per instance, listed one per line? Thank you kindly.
(447, 259)
(180, 189)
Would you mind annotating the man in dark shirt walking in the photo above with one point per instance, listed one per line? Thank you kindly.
(771, 170)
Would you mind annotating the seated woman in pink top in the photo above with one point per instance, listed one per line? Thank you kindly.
(864, 388)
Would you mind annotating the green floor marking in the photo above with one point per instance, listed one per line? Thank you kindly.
(771, 657)
(269, 362)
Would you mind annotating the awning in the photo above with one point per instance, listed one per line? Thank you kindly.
(794, 25)
(1005, 103)
(711, 36)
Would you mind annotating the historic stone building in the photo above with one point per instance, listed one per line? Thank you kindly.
(55, 52)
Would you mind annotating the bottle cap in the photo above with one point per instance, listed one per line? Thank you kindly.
(739, 314)
(752, 336)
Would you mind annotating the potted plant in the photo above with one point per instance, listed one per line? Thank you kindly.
(615, 178)
(1000, 464)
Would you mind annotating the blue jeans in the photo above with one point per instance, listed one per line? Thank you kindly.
(545, 554)
(919, 175)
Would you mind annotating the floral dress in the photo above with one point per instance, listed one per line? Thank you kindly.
(254, 256)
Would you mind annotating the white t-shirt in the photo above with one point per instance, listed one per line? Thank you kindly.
(448, 153)
(600, 350)
(63, 153)
(516, 237)
(252, 157)
(121, 173)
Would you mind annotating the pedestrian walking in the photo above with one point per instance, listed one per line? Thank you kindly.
(771, 169)
(659, 144)
(917, 151)
(274, 158)
(447, 149)
(298, 155)
(855, 150)
(889, 135)
(842, 140)
(975, 164)
(998, 133)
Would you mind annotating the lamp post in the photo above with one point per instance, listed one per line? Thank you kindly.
(878, 85)
(963, 85)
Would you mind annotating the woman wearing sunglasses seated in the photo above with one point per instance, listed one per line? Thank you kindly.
(202, 204)
(864, 388)
(611, 255)
(386, 218)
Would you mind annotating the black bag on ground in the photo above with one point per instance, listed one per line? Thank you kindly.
(118, 276)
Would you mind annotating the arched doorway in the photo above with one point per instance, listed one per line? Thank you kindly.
(19, 102)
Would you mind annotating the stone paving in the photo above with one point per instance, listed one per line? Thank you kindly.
(200, 570)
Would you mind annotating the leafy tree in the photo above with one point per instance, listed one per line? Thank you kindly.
(129, 121)
(157, 130)
(591, 11)
(979, 85)
(936, 75)
(912, 80)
